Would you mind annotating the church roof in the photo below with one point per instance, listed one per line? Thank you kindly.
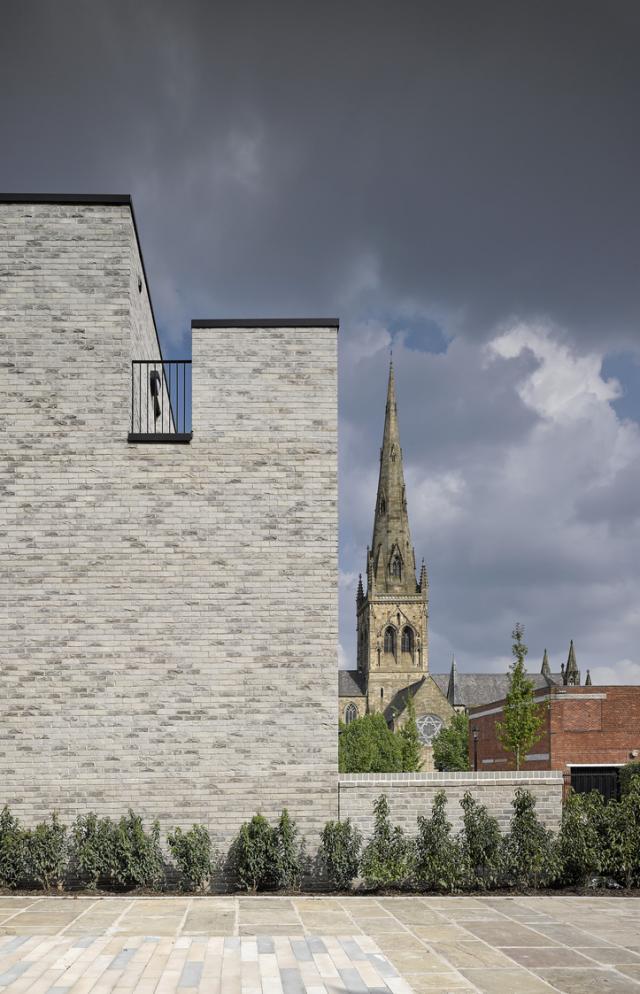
(473, 689)
(351, 683)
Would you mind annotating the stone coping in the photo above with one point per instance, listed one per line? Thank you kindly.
(440, 779)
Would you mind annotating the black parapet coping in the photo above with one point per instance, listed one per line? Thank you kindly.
(104, 199)
(119, 199)
(268, 323)
(159, 438)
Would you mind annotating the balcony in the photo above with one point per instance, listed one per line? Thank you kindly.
(160, 401)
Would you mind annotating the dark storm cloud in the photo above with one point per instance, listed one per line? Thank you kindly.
(484, 156)
(434, 170)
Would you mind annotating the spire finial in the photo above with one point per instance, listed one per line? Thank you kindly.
(546, 668)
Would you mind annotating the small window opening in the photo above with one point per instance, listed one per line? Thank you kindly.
(407, 639)
(390, 640)
(350, 713)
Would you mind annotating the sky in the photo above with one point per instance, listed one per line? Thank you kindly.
(457, 181)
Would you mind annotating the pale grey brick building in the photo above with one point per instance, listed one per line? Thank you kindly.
(169, 610)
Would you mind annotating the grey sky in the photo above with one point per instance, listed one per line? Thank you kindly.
(441, 173)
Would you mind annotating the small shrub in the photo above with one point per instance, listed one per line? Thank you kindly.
(387, 858)
(580, 843)
(92, 853)
(254, 854)
(339, 852)
(480, 845)
(137, 857)
(289, 853)
(528, 851)
(437, 852)
(622, 837)
(45, 853)
(627, 774)
(193, 854)
(12, 853)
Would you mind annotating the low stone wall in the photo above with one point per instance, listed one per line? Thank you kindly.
(411, 794)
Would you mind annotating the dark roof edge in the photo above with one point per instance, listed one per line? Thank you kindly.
(122, 199)
(106, 199)
(267, 323)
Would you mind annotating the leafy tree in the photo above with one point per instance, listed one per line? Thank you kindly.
(46, 851)
(254, 854)
(340, 852)
(622, 837)
(581, 839)
(367, 745)
(437, 865)
(193, 854)
(451, 744)
(386, 860)
(480, 844)
(289, 852)
(523, 718)
(529, 853)
(410, 741)
(12, 849)
(627, 773)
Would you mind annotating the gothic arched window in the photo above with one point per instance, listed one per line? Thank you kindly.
(407, 639)
(390, 640)
(350, 713)
(396, 566)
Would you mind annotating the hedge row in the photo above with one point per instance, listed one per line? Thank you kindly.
(598, 845)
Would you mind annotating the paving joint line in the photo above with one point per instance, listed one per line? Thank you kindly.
(112, 927)
(184, 918)
(78, 917)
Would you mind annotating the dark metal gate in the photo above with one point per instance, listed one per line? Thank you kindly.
(603, 778)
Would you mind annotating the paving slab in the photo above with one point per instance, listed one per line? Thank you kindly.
(317, 945)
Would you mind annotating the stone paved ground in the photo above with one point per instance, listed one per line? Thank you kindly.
(281, 945)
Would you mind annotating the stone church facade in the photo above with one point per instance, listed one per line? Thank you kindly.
(393, 613)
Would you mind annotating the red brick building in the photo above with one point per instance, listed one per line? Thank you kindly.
(588, 733)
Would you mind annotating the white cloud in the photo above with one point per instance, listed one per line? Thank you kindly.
(625, 671)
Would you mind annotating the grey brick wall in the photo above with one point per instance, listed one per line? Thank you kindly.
(170, 611)
(411, 794)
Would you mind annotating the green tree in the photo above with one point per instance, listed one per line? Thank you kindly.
(410, 740)
(451, 744)
(367, 745)
(523, 718)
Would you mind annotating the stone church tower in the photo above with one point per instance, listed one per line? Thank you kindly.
(392, 615)
(392, 642)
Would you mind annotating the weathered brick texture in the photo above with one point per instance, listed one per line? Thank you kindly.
(411, 794)
(170, 611)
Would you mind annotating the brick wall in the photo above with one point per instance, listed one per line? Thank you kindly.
(582, 726)
(172, 623)
(411, 794)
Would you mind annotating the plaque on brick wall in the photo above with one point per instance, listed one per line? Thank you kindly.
(428, 726)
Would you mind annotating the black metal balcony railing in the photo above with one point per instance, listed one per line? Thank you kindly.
(160, 400)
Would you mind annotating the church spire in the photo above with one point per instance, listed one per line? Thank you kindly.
(392, 556)
(546, 668)
(571, 672)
